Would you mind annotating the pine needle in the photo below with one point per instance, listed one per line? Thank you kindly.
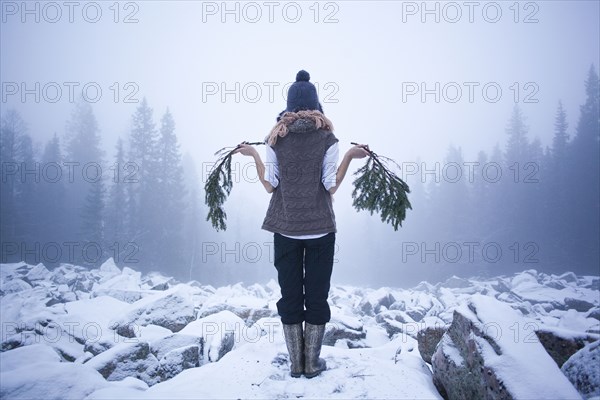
(219, 184)
(378, 189)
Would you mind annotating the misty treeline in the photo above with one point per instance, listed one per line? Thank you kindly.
(539, 205)
(68, 203)
(144, 206)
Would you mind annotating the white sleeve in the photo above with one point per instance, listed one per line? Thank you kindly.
(330, 166)
(271, 167)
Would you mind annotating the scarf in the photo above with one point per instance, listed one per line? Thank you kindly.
(281, 128)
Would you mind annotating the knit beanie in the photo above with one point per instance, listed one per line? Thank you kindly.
(302, 95)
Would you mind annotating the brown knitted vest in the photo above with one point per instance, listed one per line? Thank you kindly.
(300, 204)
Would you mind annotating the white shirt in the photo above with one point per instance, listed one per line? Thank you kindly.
(328, 175)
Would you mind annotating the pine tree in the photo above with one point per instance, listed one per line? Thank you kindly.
(84, 154)
(116, 208)
(170, 195)
(26, 191)
(92, 229)
(51, 216)
(561, 137)
(584, 178)
(517, 145)
(192, 217)
(12, 128)
(143, 208)
(516, 157)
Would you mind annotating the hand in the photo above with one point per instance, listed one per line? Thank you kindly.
(245, 150)
(358, 151)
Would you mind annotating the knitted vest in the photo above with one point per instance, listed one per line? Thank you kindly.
(300, 204)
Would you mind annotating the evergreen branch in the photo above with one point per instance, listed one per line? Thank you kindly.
(219, 184)
(378, 189)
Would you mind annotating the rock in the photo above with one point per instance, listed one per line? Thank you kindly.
(583, 370)
(128, 296)
(479, 358)
(101, 344)
(376, 301)
(335, 331)
(568, 277)
(501, 286)
(168, 343)
(51, 380)
(27, 355)
(594, 313)
(561, 347)
(109, 268)
(249, 315)
(428, 339)
(160, 286)
(398, 305)
(366, 308)
(128, 359)
(178, 360)
(172, 311)
(220, 332)
(39, 272)
(395, 321)
(15, 285)
(578, 304)
(454, 282)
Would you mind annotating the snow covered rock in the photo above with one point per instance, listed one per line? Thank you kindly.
(108, 269)
(249, 315)
(38, 273)
(179, 359)
(128, 296)
(583, 370)
(374, 301)
(428, 339)
(560, 344)
(27, 355)
(125, 286)
(162, 346)
(336, 330)
(220, 332)
(170, 309)
(14, 286)
(578, 304)
(486, 354)
(128, 359)
(395, 321)
(50, 381)
(594, 313)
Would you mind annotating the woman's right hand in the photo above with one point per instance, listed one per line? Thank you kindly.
(358, 151)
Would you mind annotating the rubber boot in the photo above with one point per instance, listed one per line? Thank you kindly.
(313, 339)
(295, 345)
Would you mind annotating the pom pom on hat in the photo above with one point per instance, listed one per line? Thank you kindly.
(302, 75)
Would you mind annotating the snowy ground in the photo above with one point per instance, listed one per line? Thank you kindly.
(115, 334)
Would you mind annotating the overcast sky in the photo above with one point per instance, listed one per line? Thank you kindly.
(372, 60)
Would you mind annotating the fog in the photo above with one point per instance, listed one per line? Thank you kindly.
(415, 80)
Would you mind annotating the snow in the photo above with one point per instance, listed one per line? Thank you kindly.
(451, 351)
(244, 358)
(50, 380)
(26, 355)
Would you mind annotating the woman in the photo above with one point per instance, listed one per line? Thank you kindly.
(302, 174)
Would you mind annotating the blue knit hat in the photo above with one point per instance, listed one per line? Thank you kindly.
(302, 95)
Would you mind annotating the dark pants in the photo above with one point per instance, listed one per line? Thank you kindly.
(304, 272)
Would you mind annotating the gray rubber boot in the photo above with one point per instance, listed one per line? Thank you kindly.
(313, 339)
(295, 345)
